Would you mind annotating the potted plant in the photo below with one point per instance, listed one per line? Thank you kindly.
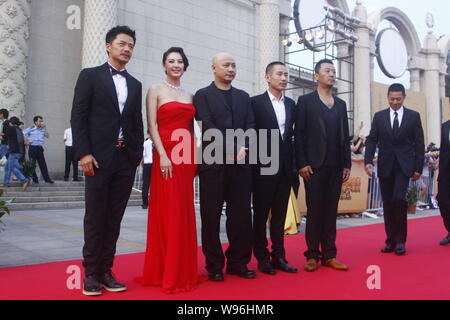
(3, 209)
(412, 196)
(28, 167)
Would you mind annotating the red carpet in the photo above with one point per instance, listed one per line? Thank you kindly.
(422, 274)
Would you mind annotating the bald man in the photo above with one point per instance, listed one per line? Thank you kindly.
(228, 177)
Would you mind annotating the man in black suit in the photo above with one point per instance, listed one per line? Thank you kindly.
(275, 113)
(108, 138)
(228, 178)
(323, 158)
(398, 133)
(443, 196)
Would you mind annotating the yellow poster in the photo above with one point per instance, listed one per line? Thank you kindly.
(354, 192)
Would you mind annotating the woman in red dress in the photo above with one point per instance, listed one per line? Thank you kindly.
(171, 255)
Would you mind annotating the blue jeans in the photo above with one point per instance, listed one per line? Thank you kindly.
(3, 150)
(13, 167)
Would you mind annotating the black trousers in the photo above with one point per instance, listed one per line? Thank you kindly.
(70, 160)
(146, 176)
(270, 195)
(232, 185)
(37, 153)
(393, 192)
(444, 198)
(107, 195)
(322, 199)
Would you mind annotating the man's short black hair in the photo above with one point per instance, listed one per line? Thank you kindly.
(319, 64)
(36, 118)
(397, 87)
(14, 120)
(114, 32)
(177, 50)
(271, 65)
(5, 113)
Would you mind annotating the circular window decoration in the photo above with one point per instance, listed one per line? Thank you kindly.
(392, 54)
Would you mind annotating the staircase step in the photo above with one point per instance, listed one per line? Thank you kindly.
(58, 205)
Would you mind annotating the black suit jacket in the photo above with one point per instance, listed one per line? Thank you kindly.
(408, 148)
(96, 118)
(311, 134)
(214, 113)
(265, 118)
(444, 156)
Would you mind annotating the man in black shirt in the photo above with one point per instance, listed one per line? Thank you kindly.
(324, 162)
(4, 114)
(16, 150)
(222, 107)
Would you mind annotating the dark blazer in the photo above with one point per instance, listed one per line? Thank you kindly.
(444, 155)
(408, 148)
(266, 118)
(311, 134)
(96, 118)
(214, 113)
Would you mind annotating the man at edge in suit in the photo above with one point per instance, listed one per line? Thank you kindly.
(273, 111)
(108, 138)
(398, 133)
(443, 196)
(322, 147)
(221, 107)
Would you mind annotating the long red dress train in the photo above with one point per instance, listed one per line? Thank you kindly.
(171, 255)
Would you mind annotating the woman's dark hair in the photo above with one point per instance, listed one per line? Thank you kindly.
(14, 120)
(5, 113)
(177, 50)
(114, 32)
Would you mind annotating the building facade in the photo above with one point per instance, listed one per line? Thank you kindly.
(45, 43)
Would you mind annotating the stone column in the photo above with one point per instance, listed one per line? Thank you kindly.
(415, 79)
(343, 51)
(432, 90)
(269, 37)
(14, 35)
(362, 88)
(284, 30)
(99, 17)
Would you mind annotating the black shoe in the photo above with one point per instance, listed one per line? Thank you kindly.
(388, 249)
(215, 276)
(246, 273)
(400, 249)
(66, 179)
(92, 286)
(108, 282)
(282, 264)
(445, 241)
(266, 267)
(50, 181)
(144, 206)
(77, 180)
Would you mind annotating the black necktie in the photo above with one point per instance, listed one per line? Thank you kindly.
(396, 124)
(123, 73)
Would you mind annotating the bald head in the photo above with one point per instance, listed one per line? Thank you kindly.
(221, 56)
(224, 68)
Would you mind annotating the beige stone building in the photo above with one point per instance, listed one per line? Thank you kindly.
(45, 43)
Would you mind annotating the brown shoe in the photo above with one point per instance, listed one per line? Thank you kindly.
(333, 263)
(311, 265)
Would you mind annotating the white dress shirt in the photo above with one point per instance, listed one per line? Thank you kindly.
(400, 116)
(68, 137)
(122, 93)
(280, 111)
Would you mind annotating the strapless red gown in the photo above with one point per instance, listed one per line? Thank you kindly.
(171, 255)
